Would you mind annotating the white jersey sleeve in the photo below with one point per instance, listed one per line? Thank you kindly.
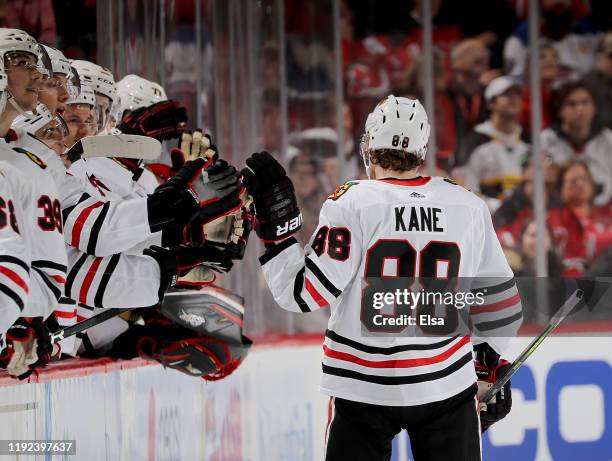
(116, 281)
(303, 280)
(497, 319)
(98, 226)
(15, 251)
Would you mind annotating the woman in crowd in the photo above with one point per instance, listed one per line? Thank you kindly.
(581, 230)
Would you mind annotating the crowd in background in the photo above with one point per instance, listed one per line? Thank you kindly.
(482, 105)
(482, 112)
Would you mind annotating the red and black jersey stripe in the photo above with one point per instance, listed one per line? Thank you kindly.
(95, 230)
(108, 273)
(398, 380)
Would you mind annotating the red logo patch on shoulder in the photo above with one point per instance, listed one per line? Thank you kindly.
(31, 156)
(341, 190)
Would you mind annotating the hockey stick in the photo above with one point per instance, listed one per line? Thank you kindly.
(103, 316)
(561, 314)
(121, 145)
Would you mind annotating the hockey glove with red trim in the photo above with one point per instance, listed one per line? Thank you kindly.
(177, 261)
(489, 368)
(276, 210)
(162, 120)
(28, 346)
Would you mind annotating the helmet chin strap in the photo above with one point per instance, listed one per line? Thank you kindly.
(13, 102)
(3, 99)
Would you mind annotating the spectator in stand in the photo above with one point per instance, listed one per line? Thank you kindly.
(523, 258)
(573, 39)
(581, 230)
(470, 74)
(495, 150)
(517, 210)
(599, 80)
(36, 17)
(446, 136)
(549, 77)
(576, 134)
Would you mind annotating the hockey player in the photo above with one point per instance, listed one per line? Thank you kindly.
(101, 80)
(45, 127)
(21, 56)
(54, 93)
(16, 214)
(384, 382)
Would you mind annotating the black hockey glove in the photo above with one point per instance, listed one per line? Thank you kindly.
(177, 261)
(219, 191)
(162, 120)
(489, 368)
(276, 210)
(174, 203)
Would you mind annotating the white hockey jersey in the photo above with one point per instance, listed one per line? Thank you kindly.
(48, 274)
(16, 215)
(100, 227)
(423, 227)
(115, 198)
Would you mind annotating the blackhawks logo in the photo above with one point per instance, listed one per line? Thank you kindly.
(31, 156)
(341, 190)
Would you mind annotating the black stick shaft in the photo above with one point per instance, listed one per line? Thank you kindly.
(85, 324)
(561, 314)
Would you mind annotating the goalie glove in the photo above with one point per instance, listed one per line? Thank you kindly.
(162, 120)
(489, 368)
(276, 210)
(178, 261)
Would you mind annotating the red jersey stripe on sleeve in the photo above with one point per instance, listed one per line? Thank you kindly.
(15, 278)
(91, 273)
(310, 288)
(498, 306)
(80, 222)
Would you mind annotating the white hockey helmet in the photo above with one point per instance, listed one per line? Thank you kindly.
(398, 124)
(136, 92)
(85, 96)
(17, 40)
(42, 118)
(99, 78)
(59, 63)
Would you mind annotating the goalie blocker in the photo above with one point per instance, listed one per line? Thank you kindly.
(197, 332)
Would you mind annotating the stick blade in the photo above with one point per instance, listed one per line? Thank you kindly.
(121, 145)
